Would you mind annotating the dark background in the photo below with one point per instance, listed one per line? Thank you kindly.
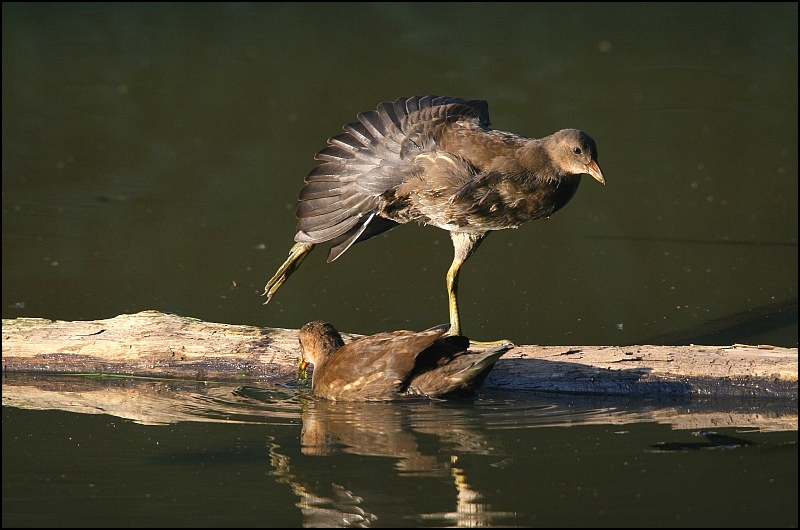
(151, 158)
(152, 155)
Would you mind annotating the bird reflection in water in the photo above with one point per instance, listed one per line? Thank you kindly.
(470, 512)
(340, 510)
(396, 431)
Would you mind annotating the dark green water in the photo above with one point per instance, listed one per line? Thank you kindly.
(151, 159)
(264, 455)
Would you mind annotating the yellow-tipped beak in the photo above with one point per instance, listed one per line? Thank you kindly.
(302, 372)
(594, 171)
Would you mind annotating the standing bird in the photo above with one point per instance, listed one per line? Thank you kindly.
(433, 160)
(393, 364)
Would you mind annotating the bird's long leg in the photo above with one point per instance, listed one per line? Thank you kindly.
(452, 297)
(297, 254)
(464, 244)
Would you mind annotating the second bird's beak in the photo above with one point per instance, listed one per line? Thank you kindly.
(593, 170)
(302, 372)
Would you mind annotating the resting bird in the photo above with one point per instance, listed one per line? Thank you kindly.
(394, 364)
(433, 160)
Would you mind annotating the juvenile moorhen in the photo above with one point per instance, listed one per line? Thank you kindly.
(433, 160)
(393, 365)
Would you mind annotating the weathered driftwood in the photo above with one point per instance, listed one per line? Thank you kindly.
(161, 345)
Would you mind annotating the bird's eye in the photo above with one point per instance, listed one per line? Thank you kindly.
(577, 150)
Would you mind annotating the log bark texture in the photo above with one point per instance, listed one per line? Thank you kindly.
(155, 344)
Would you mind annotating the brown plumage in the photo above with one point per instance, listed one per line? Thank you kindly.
(433, 160)
(394, 364)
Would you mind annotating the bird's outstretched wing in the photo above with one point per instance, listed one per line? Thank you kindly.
(339, 200)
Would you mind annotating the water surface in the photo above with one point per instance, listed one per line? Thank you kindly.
(151, 157)
(125, 452)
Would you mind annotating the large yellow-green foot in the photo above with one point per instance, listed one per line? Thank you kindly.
(297, 254)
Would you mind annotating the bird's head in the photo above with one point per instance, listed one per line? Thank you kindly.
(574, 152)
(318, 341)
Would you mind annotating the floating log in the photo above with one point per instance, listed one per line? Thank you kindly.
(155, 344)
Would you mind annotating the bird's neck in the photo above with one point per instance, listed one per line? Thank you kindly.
(536, 163)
